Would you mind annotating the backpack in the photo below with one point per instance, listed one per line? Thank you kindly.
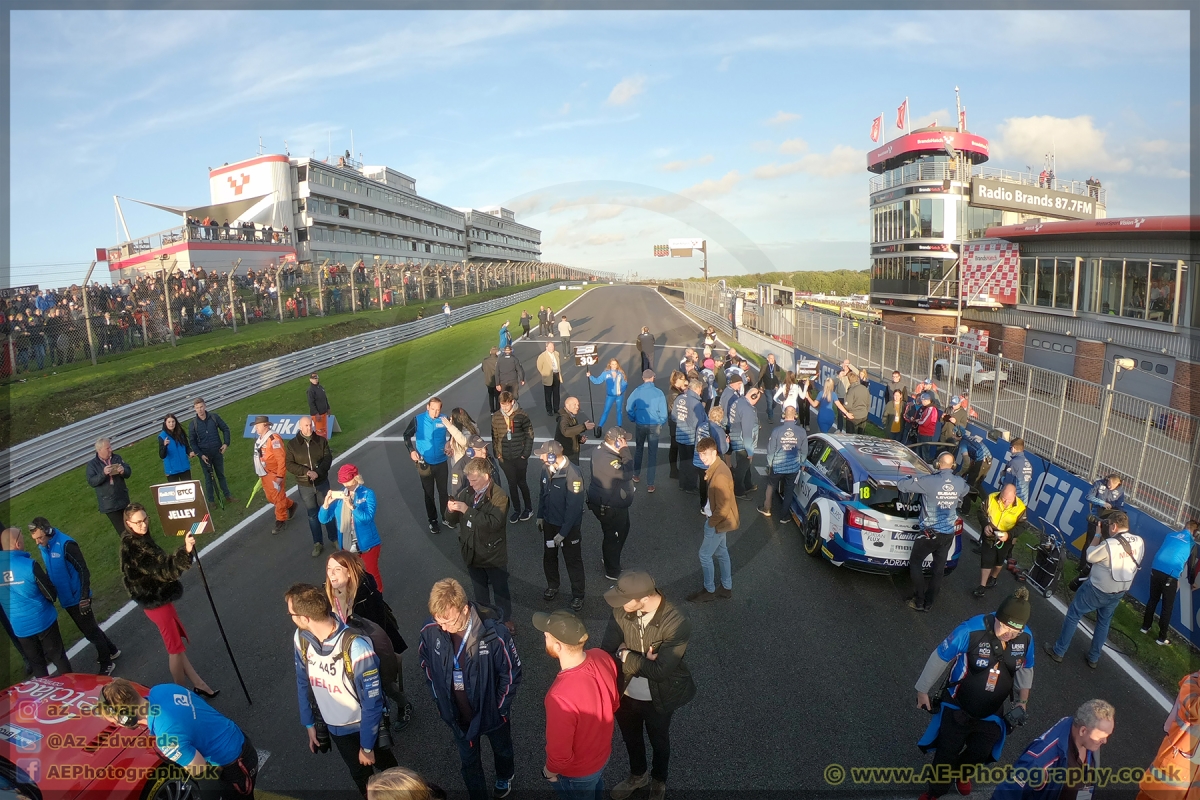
(357, 626)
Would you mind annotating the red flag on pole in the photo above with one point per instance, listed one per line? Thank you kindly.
(901, 112)
(876, 127)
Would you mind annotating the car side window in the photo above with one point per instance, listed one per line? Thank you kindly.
(840, 474)
(816, 448)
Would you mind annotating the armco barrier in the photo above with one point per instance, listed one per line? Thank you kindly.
(50, 455)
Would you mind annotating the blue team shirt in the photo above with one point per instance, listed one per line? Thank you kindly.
(1174, 553)
(941, 494)
(1019, 472)
(184, 724)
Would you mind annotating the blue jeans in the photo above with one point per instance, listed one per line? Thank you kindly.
(589, 787)
(611, 402)
(712, 549)
(769, 401)
(1089, 599)
(312, 497)
(472, 761)
(644, 434)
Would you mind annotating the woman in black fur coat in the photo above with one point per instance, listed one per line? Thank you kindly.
(151, 576)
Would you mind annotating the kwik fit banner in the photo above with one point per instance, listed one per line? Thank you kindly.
(285, 425)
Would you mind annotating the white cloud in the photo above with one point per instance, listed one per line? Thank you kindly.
(680, 166)
(782, 118)
(1078, 145)
(626, 90)
(713, 188)
(794, 146)
(842, 160)
(942, 117)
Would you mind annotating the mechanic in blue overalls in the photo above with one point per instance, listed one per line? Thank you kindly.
(1018, 471)
(972, 460)
(941, 495)
(786, 450)
(1106, 496)
(989, 656)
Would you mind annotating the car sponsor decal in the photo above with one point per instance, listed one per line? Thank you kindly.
(22, 738)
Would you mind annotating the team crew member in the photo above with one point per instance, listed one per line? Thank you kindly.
(941, 494)
(209, 438)
(648, 637)
(711, 428)
(549, 366)
(425, 438)
(27, 596)
(151, 576)
(732, 391)
(1072, 744)
(474, 672)
(512, 441)
(1175, 773)
(69, 573)
(1001, 514)
(106, 473)
(743, 439)
(309, 458)
(676, 386)
(481, 512)
(570, 431)
(1178, 557)
(510, 375)
(270, 464)
(720, 517)
(615, 383)
(786, 450)
(560, 513)
(580, 709)
(610, 495)
(688, 412)
(1115, 555)
(990, 655)
(1018, 471)
(338, 685)
(173, 450)
(647, 407)
(189, 732)
(353, 509)
(973, 460)
(768, 382)
(488, 367)
(318, 406)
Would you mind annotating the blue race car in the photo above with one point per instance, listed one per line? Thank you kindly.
(847, 506)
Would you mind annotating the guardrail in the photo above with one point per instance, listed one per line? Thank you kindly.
(50, 455)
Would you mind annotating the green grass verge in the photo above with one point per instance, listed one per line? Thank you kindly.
(52, 398)
(363, 393)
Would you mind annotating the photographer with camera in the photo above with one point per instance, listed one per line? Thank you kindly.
(338, 685)
(1115, 556)
(997, 519)
(1105, 497)
(990, 657)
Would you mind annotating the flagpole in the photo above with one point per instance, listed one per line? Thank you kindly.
(907, 117)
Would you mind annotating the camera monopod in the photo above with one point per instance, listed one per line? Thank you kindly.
(204, 579)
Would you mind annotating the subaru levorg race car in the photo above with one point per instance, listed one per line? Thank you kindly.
(847, 506)
(53, 746)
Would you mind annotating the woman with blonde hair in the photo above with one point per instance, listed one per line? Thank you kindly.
(615, 384)
(825, 404)
(354, 510)
(400, 783)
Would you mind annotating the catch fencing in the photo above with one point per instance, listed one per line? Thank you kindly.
(50, 455)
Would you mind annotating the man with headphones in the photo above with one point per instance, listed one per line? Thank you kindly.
(188, 731)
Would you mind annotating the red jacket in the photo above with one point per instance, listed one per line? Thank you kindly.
(927, 420)
(579, 716)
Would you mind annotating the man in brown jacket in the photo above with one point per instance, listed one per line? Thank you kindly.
(722, 517)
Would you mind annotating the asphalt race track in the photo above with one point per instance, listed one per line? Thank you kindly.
(806, 666)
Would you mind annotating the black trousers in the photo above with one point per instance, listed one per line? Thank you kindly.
(552, 395)
(634, 716)
(782, 484)
(703, 482)
(614, 525)
(673, 453)
(493, 399)
(47, 648)
(435, 509)
(497, 578)
(572, 550)
(687, 471)
(515, 470)
(939, 545)
(646, 363)
(225, 785)
(86, 622)
(743, 476)
(347, 747)
(186, 475)
(117, 518)
(1162, 587)
(962, 741)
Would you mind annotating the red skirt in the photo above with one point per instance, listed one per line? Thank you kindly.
(169, 627)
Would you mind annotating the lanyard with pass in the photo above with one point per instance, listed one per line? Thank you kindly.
(459, 684)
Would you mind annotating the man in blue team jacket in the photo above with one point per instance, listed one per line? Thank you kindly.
(743, 439)
(688, 412)
(941, 494)
(786, 451)
(27, 597)
(1072, 742)
(647, 407)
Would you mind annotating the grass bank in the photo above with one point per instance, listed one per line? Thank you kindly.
(50, 399)
(363, 393)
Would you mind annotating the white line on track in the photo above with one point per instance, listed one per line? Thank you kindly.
(589, 341)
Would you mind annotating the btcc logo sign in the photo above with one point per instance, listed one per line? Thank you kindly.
(176, 493)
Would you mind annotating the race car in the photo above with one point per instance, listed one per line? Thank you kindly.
(941, 368)
(54, 745)
(848, 508)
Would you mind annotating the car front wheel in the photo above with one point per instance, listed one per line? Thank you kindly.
(171, 787)
(812, 532)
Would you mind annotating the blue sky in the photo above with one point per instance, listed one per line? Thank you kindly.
(609, 131)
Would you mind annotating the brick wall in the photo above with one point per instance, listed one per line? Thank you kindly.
(1186, 394)
(1012, 342)
(1089, 366)
(902, 322)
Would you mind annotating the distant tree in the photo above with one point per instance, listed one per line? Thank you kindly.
(841, 281)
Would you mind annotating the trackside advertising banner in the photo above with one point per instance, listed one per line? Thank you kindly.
(285, 425)
(1058, 499)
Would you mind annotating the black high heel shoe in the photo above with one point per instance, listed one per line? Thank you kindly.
(206, 695)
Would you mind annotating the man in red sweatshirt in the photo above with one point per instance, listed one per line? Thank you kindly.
(580, 709)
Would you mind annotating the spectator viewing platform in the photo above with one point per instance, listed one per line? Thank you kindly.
(942, 171)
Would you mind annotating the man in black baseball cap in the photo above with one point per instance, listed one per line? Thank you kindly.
(318, 405)
(559, 517)
(648, 637)
(610, 495)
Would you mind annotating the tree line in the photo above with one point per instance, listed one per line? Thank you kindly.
(839, 281)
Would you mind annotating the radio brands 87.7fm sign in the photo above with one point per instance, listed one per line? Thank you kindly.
(182, 508)
(1031, 199)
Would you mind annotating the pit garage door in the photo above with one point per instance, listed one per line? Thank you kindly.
(1050, 351)
(1152, 380)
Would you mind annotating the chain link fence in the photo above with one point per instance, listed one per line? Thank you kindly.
(1084, 427)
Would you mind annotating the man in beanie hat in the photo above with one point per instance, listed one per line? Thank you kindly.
(270, 464)
(580, 708)
(648, 636)
(989, 656)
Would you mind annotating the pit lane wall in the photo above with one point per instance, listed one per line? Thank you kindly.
(1058, 495)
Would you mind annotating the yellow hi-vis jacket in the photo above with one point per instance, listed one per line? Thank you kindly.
(1003, 519)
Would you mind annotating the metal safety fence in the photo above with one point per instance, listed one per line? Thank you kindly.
(1086, 428)
(32, 462)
